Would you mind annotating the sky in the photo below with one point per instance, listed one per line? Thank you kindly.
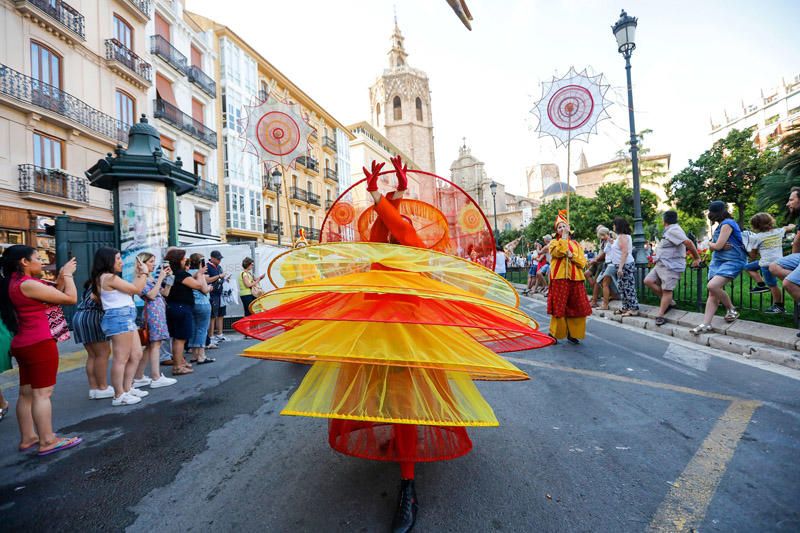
(693, 60)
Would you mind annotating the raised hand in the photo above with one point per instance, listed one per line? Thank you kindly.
(372, 177)
(69, 267)
(400, 170)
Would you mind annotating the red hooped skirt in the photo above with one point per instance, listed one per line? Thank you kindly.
(567, 298)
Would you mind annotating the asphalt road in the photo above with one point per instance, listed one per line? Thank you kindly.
(627, 432)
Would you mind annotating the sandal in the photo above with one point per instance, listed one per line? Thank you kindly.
(4, 410)
(702, 328)
(181, 371)
(29, 447)
(630, 312)
(619, 311)
(206, 360)
(731, 315)
(660, 321)
(64, 443)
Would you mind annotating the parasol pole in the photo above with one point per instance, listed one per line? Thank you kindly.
(569, 158)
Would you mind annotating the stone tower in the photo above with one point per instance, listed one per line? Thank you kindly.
(400, 106)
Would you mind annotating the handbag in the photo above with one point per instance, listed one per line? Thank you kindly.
(144, 331)
(59, 329)
(256, 289)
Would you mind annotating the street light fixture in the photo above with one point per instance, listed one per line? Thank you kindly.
(493, 187)
(277, 178)
(625, 32)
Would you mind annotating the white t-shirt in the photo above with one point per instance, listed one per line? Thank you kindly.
(769, 245)
(500, 263)
(615, 254)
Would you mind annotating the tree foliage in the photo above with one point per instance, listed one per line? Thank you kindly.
(729, 171)
(650, 171)
(774, 188)
(616, 200)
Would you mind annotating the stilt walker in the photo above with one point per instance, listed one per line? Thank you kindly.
(396, 328)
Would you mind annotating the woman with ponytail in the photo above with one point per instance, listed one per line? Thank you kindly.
(24, 305)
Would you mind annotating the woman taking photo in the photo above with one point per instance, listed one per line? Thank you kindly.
(155, 320)
(180, 307)
(87, 329)
(201, 313)
(249, 285)
(622, 258)
(24, 306)
(119, 321)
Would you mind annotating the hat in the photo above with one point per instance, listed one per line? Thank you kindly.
(561, 219)
(717, 206)
(216, 255)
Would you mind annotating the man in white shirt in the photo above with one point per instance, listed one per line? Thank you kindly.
(500, 262)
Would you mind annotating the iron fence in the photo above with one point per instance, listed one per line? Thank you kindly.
(171, 114)
(202, 80)
(65, 14)
(162, 48)
(53, 182)
(117, 51)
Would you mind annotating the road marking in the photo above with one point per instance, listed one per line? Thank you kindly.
(643, 355)
(685, 506)
(626, 379)
(66, 362)
(686, 356)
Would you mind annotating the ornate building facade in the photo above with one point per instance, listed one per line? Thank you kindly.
(400, 106)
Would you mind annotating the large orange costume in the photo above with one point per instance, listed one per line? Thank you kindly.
(396, 334)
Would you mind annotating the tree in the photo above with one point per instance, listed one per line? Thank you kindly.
(774, 188)
(616, 200)
(730, 171)
(650, 171)
(580, 221)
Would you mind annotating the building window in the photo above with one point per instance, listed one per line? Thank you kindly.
(419, 109)
(199, 165)
(202, 221)
(772, 120)
(296, 220)
(794, 111)
(507, 226)
(162, 27)
(126, 110)
(197, 57)
(398, 108)
(198, 111)
(45, 66)
(47, 151)
(269, 214)
(378, 115)
(294, 180)
(123, 32)
(311, 222)
(309, 186)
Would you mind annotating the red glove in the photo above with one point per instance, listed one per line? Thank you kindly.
(372, 177)
(400, 170)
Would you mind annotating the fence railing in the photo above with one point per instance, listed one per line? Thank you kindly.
(117, 51)
(312, 234)
(63, 13)
(207, 189)
(329, 142)
(53, 182)
(202, 80)
(32, 91)
(171, 114)
(331, 174)
(308, 162)
(162, 48)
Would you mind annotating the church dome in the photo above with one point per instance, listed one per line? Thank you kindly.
(557, 188)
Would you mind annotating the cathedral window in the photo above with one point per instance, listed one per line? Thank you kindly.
(378, 115)
(398, 108)
(419, 109)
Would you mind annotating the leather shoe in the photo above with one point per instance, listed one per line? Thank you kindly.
(407, 507)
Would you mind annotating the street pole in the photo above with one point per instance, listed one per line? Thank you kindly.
(640, 256)
(280, 229)
(494, 204)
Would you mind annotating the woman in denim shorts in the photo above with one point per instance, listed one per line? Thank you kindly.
(201, 314)
(119, 321)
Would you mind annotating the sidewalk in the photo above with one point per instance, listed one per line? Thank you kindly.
(752, 340)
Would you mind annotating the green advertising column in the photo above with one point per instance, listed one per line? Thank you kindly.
(174, 218)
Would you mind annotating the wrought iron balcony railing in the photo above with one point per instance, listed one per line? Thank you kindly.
(272, 227)
(298, 194)
(207, 189)
(329, 142)
(32, 91)
(162, 48)
(328, 204)
(202, 80)
(312, 234)
(143, 6)
(53, 182)
(267, 181)
(172, 115)
(309, 162)
(312, 198)
(314, 134)
(116, 51)
(63, 13)
(331, 174)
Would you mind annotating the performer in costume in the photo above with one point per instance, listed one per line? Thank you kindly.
(396, 334)
(567, 303)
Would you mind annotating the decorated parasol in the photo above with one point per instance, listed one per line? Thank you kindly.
(570, 108)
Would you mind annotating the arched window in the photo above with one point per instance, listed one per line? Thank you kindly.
(378, 115)
(419, 109)
(507, 225)
(399, 61)
(398, 108)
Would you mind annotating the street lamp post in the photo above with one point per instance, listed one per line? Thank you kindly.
(277, 177)
(625, 32)
(493, 187)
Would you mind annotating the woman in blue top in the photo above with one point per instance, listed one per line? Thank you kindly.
(727, 262)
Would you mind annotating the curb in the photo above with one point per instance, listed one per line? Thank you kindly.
(752, 340)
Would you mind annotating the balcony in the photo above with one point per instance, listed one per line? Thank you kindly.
(329, 143)
(202, 80)
(314, 135)
(207, 189)
(53, 186)
(312, 234)
(272, 227)
(309, 162)
(313, 198)
(296, 193)
(139, 8)
(330, 174)
(128, 65)
(328, 204)
(17, 86)
(56, 16)
(172, 115)
(266, 179)
(162, 48)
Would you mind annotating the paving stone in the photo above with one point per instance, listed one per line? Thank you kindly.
(763, 333)
(684, 333)
(731, 344)
(638, 322)
(776, 355)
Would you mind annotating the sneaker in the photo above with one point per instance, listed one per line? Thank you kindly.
(125, 399)
(144, 381)
(219, 338)
(775, 309)
(138, 392)
(102, 394)
(758, 289)
(162, 381)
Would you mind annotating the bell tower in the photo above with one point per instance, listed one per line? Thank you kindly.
(400, 106)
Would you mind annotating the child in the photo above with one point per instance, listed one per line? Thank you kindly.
(766, 241)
